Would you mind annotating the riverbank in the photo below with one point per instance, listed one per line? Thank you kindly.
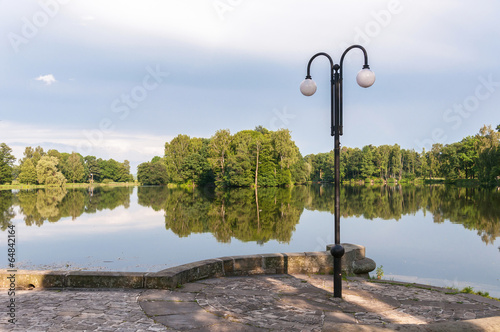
(68, 185)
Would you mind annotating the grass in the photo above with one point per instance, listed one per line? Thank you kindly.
(470, 290)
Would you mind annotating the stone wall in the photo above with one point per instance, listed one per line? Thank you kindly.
(354, 262)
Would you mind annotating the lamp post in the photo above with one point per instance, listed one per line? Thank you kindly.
(365, 79)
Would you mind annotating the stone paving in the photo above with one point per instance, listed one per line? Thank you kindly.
(255, 303)
(77, 310)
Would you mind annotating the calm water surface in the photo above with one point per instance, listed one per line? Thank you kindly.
(436, 235)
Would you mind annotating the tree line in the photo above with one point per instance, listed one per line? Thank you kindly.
(55, 168)
(259, 158)
(263, 158)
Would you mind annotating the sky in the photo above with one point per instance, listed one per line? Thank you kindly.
(118, 79)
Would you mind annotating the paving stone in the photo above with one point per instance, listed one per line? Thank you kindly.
(255, 303)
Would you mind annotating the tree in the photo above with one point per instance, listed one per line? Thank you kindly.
(75, 169)
(6, 163)
(218, 151)
(92, 169)
(396, 164)
(240, 167)
(488, 164)
(47, 172)
(367, 166)
(28, 173)
(33, 154)
(265, 165)
(287, 155)
(110, 169)
(424, 167)
(124, 172)
(175, 153)
(152, 173)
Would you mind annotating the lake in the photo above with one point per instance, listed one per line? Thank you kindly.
(444, 236)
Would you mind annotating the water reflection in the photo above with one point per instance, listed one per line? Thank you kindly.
(53, 204)
(264, 214)
(248, 215)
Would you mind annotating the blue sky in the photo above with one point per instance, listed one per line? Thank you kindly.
(117, 79)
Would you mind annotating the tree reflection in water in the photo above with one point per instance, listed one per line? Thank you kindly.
(264, 214)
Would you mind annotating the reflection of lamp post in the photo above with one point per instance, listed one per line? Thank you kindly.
(365, 79)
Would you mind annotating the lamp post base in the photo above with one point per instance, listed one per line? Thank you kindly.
(337, 252)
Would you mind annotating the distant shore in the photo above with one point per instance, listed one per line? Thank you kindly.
(68, 185)
(464, 183)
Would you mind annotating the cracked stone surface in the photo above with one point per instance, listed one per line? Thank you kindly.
(77, 310)
(255, 303)
(305, 303)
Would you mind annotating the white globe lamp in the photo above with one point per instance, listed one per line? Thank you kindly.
(365, 77)
(308, 87)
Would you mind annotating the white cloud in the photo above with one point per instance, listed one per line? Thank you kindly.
(135, 147)
(288, 30)
(47, 79)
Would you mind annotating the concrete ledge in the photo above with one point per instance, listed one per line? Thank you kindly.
(353, 262)
(176, 276)
(30, 279)
(92, 279)
(74, 279)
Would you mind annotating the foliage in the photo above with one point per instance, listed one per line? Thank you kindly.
(28, 173)
(6, 163)
(47, 172)
(152, 173)
(75, 169)
(380, 272)
(68, 167)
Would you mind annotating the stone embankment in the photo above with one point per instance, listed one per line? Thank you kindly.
(354, 263)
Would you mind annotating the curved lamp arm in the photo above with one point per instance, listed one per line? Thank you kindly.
(308, 76)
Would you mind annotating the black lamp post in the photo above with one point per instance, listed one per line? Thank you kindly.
(365, 79)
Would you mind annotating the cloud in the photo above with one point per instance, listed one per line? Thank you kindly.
(47, 79)
(135, 147)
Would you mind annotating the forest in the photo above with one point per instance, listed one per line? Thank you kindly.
(263, 158)
(53, 168)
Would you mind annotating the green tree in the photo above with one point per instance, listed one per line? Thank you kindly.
(175, 153)
(240, 166)
(75, 169)
(424, 166)
(218, 151)
(396, 163)
(367, 165)
(33, 154)
(152, 173)
(110, 169)
(93, 171)
(287, 155)
(265, 165)
(28, 173)
(6, 163)
(124, 172)
(47, 172)
(488, 164)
